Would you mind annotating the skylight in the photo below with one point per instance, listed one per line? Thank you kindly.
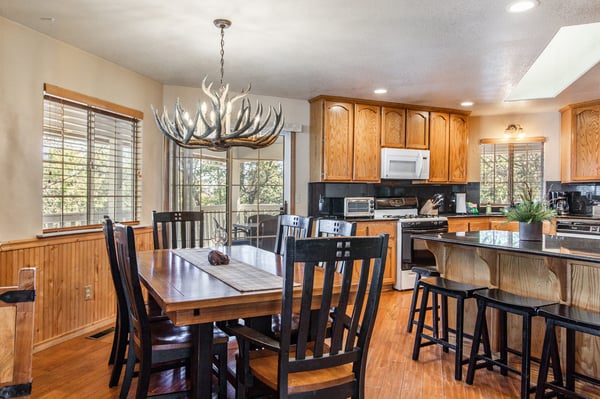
(572, 52)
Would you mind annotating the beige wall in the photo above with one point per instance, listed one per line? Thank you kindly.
(534, 125)
(29, 59)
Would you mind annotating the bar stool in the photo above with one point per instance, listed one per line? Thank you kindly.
(573, 320)
(504, 302)
(421, 271)
(445, 288)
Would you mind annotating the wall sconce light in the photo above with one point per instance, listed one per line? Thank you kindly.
(513, 130)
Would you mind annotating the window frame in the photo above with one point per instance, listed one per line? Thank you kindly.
(98, 110)
(511, 142)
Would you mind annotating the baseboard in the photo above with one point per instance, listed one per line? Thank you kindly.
(40, 346)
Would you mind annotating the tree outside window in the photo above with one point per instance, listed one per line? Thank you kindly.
(508, 167)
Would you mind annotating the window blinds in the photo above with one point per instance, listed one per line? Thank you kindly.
(91, 164)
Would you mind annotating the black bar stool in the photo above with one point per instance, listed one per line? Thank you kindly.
(504, 302)
(573, 320)
(421, 271)
(445, 288)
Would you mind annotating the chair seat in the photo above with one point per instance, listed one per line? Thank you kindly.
(571, 315)
(450, 286)
(164, 332)
(517, 302)
(263, 364)
(426, 271)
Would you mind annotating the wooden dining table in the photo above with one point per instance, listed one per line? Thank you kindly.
(192, 296)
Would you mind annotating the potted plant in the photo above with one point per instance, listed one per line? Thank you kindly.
(530, 214)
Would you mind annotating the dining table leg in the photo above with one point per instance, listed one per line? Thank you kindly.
(202, 361)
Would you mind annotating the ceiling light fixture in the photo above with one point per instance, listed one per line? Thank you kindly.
(522, 5)
(380, 91)
(466, 104)
(513, 130)
(214, 129)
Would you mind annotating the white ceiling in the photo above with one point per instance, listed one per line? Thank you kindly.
(432, 52)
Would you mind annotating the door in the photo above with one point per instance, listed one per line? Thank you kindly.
(393, 127)
(338, 141)
(417, 129)
(458, 148)
(439, 133)
(366, 143)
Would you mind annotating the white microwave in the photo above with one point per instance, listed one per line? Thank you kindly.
(403, 163)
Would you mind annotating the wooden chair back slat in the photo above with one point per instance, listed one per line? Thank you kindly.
(335, 228)
(292, 226)
(178, 229)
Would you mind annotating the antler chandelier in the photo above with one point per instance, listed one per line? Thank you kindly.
(214, 129)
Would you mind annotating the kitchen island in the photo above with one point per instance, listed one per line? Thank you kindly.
(561, 269)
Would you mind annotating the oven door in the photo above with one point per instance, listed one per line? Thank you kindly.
(414, 251)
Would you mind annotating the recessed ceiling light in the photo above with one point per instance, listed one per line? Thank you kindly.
(521, 5)
(466, 104)
(380, 91)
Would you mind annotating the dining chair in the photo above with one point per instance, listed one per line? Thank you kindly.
(335, 228)
(178, 229)
(291, 226)
(317, 366)
(155, 345)
(121, 333)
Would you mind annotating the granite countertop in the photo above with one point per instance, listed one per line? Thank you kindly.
(583, 249)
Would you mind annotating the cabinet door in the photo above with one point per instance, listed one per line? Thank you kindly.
(417, 129)
(375, 228)
(338, 141)
(585, 144)
(458, 148)
(502, 224)
(367, 136)
(393, 127)
(457, 224)
(439, 130)
(479, 224)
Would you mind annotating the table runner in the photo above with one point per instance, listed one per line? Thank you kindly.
(239, 275)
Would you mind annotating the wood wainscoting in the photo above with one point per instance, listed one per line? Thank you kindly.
(66, 265)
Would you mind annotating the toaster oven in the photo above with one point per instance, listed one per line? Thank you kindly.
(359, 207)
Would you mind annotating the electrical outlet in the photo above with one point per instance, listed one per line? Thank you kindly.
(88, 293)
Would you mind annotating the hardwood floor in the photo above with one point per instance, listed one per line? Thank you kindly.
(78, 368)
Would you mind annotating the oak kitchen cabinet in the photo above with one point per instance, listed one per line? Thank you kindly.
(346, 136)
(478, 223)
(580, 142)
(344, 141)
(372, 228)
(417, 129)
(448, 145)
(465, 223)
(393, 127)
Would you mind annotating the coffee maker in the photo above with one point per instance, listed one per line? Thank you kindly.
(558, 201)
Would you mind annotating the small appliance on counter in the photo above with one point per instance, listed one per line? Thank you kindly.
(359, 207)
(461, 203)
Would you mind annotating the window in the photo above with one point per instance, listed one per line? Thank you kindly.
(508, 167)
(91, 161)
(259, 180)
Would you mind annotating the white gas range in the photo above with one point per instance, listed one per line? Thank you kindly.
(410, 251)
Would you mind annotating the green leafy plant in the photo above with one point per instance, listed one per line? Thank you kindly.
(528, 210)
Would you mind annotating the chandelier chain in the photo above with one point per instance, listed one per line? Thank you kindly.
(222, 53)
